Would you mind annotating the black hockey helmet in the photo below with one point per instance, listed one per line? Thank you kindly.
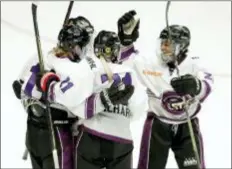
(83, 23)
(179, 37)
(107, 44)
(77, 31)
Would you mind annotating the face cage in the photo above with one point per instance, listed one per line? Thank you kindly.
(110, 54)
(176, 48)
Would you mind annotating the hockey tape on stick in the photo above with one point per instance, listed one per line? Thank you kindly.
(107, 69)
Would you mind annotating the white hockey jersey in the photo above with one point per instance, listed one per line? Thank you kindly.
(30, 93)
(78, 91)
(162, 99)
(114, 123)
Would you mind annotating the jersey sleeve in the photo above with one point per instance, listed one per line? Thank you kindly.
(207, 81)
(138, 103)
(28, 77)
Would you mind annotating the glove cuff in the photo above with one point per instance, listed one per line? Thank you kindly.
(199, 86)
(17, 86)
(105, 99)
(47, 79)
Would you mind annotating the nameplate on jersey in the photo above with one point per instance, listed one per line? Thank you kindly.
(119, 109)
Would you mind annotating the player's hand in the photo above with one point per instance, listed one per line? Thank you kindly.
(114, 95)
(43, 80)
(186, 85)
(128, 28)
(17, 87)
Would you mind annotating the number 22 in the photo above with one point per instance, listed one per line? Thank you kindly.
(117, 79)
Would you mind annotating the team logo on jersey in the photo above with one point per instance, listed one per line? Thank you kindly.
(173, 103)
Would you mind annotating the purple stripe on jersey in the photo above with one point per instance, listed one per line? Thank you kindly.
(31, 82)
(145, 142)
(107, 136)
(207, 91)
(66, 144)
(201, 144)
(51, 93)
(127, 53)
(77, 138)
(90, 106)
(202, 151)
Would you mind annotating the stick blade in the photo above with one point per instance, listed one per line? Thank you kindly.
(34, 9)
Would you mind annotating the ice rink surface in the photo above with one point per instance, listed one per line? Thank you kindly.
(210, 25)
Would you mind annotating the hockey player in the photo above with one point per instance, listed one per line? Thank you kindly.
(38, 140)
(104, 138)
(173, 79)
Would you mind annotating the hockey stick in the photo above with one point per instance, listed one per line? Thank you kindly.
(25, 154)
(68, 12)
(186, 103)
(166, 18)
(106, 68)
(41, 64)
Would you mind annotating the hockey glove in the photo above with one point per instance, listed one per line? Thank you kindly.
(17, 86)
(186, 85)
(43, 80)
(128, 28)
(114, 95)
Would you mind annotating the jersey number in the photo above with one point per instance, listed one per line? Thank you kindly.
(117, 79)
(66, 84)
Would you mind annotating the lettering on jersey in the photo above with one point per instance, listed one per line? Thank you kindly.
(173, 103)
(152, 73)
(208, 76)
(66, 84)
(91, 62)
(190, 162)
(119, 109)
(117, 79)
(31, 81)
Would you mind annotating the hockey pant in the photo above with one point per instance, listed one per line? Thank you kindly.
(94, 152)
(39, 146)
(159, 137)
